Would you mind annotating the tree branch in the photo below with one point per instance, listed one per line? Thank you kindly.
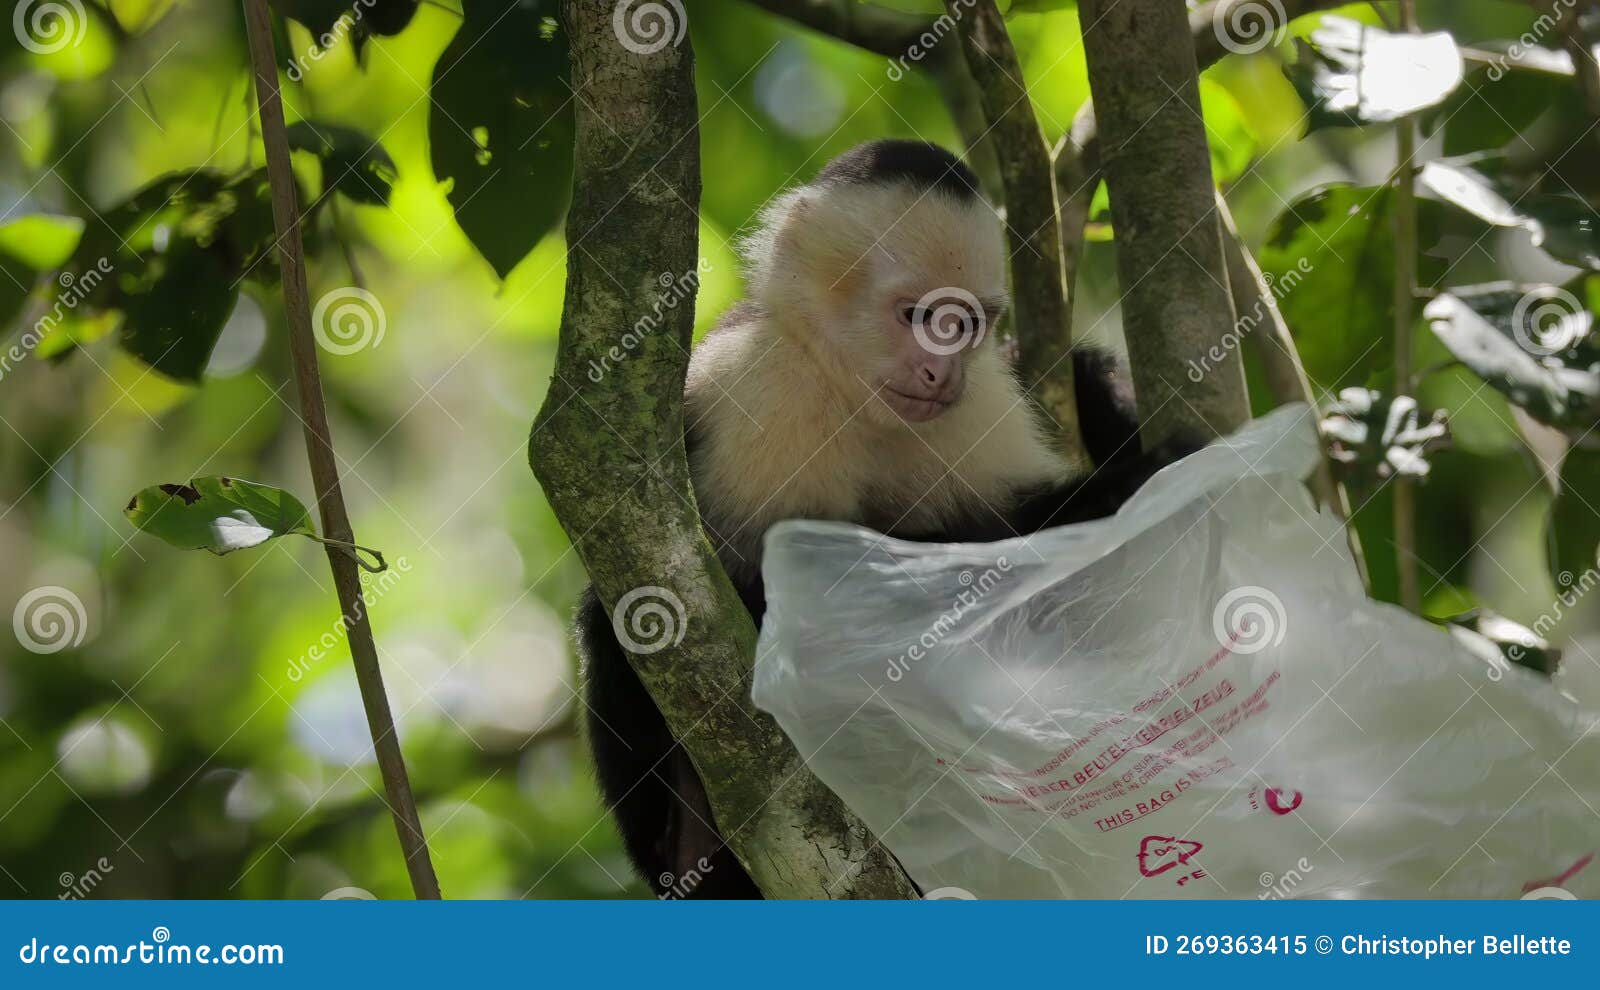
(608, 449)
(1405, 313)
(319, 448)
(1039, 309)
(1176, 304)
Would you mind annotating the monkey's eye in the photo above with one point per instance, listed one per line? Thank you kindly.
(907, 313)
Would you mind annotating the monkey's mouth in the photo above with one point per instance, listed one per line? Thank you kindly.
(916, 409)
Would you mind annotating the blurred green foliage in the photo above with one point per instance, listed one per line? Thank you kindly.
(196, 732)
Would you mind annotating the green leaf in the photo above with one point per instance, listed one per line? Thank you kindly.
(1564, 226)
(1352, 73)
(218, 514)
(1487, 113)
(1573, 535)
(1535, 344)
(138, 16)
(41, 240)
(352, 163)
(168, 261)
(1233, 141)
(500, 126)
(1331, 260)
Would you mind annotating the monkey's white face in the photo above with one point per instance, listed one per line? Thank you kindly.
(922, 338)
(894, 291)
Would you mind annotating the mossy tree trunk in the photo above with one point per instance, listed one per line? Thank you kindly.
(608, 449)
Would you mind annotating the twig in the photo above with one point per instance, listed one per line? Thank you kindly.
(1039, 314)
(319, 448)
(1405, 281)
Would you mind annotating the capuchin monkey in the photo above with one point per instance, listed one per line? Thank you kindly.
(860, 381)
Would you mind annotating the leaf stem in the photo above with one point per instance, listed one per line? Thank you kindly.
(319, 449)
(355, 551)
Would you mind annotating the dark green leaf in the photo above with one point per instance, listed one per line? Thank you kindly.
(218, 514)
(1352, 73)
(500, 126)
(1372, 436)
(1331, 260)
(1487, 113)
(169, 261)
(319, 16)
(352, 162)
(1573, 536)
(1564, 226)
(1533, 343)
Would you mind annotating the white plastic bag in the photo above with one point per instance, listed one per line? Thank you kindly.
(1190, 699)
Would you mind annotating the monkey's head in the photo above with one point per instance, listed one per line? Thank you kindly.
(888, 270)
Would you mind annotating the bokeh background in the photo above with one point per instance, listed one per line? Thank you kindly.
(187, 746)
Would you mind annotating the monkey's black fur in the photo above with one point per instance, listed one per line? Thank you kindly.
(647, 779)
(923, 165)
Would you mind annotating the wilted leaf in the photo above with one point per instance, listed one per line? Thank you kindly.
(500, 126)
(352, 163)
(1535, 344)
(1352, 73)
(1375, 436)
(218, 514)
(1573, 536)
